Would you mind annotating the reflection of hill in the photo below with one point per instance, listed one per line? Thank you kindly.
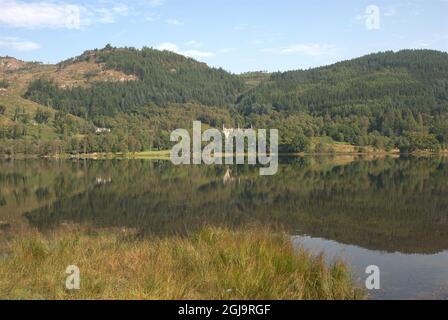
(383, 204)
(30, 185)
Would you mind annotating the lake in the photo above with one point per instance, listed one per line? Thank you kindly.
(391, 212)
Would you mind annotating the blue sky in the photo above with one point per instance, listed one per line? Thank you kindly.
(237, 35)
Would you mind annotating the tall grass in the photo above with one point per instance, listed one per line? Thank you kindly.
(213, 264)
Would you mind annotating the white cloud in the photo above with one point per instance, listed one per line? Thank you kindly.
(151, 17)
(168, 46)
(42, 14)
(243, 26)
(120, 9)
(193, 43)
(57, 14)
(106, 14)
(198, 54)
(308, 49)
(155, 3)
(228, 50)
(18, 44)
(174, 22)
(390, 12)
(437, 41)
(256, 42)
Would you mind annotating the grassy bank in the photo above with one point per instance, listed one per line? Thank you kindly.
(214, 264)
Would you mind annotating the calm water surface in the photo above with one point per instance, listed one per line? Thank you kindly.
(388, 212)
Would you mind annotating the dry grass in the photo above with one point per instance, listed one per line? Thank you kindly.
(214, 264)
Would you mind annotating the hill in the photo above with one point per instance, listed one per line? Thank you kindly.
(142, 95)
(384, 99)
(124, 99)
(163, 78)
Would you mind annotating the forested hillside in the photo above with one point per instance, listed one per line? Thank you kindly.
(385, 99)
(163, 78)
(137, 97)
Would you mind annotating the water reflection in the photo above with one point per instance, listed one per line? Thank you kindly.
(403, 276)
(385, 204)
(389, 212)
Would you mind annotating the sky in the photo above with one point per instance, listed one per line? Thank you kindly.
(237, 35)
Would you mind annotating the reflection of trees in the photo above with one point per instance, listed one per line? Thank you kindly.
(27, 185)
(387, 204)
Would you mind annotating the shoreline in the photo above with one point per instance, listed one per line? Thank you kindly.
(165, 155)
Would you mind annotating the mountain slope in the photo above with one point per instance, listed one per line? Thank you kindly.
(394, 99)
(142, 95)
(162, 78)
(410, 78)
(385, 100)
(27, 126)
